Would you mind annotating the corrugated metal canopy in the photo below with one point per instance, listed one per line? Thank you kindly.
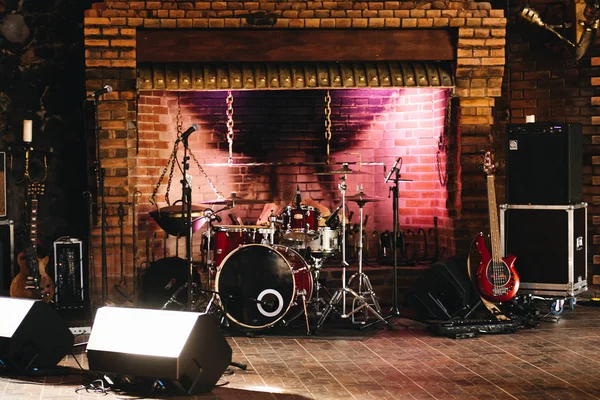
(294, 75)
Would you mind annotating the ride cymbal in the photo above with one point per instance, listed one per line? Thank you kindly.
(345, 170)
(363, 198)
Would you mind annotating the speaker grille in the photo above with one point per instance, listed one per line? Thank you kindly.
(544, 164)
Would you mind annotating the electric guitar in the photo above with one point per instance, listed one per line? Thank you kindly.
(497, 278)
(32, 281)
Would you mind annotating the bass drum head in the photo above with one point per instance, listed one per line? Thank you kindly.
(162, 279)
(256, 286)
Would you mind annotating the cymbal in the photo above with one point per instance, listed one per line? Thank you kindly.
(363, 198)
(234, 201)
(345, 170)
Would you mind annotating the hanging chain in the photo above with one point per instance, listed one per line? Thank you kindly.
(212, 185)
(328, 122)
(173, 157)
(442, 143)
(230, 135)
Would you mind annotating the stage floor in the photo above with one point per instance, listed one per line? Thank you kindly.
(557, 360)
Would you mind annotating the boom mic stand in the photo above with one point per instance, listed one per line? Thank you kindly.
(395, 310)
(186, 210)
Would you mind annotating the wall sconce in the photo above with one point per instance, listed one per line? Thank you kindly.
(590, 23)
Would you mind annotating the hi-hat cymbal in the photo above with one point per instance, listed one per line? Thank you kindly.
(345, 170)
(363, 198)
(234, 201)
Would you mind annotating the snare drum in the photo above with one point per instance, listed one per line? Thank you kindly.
(259, 285)
(300, 223)
(327, 244)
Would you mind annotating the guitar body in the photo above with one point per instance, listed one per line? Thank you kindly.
(32, 281)
(497, 280)
(23, 287)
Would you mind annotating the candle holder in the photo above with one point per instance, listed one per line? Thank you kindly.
(29, 151)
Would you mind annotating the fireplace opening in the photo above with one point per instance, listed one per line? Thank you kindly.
(279, 144)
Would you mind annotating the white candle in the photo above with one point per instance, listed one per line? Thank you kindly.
(27, 131)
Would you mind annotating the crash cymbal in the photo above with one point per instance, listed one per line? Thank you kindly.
(363, 198)
(345, 170)
(234, 201)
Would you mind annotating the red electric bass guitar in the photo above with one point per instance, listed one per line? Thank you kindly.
(497, 278)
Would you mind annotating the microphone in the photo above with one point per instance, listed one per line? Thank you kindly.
(188, 132)
(298, 198)
(389, 175)
(333, 215)
(104, 90)
(212, 215)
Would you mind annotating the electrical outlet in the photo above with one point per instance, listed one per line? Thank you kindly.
(81, 330)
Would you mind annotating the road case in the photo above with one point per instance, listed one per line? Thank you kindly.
(550, 243)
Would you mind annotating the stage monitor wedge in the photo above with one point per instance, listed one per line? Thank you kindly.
(185, 349)
(33, 337)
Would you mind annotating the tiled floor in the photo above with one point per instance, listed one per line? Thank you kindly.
(557, 360)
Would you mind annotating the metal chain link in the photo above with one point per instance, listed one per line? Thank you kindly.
(230, 135)
(173, 158)
(171, 162)
(442, 144)
(328, 122)
(210, 183)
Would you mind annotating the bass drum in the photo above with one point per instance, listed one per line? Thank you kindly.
(163, 279)
(259, 285)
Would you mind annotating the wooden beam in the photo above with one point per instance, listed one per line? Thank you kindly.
(294, 45)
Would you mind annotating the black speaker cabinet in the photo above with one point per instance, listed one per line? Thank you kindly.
(7, 255)
(550, 244)
(544, 164)
(33, 337)
(185, 350)
(444, 291)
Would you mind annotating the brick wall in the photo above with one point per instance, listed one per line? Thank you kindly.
(110, 32)
(543, 79)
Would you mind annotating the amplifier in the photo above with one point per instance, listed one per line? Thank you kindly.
(7, 255)
(70, 288)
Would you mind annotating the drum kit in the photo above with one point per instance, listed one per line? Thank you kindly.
(260, 276)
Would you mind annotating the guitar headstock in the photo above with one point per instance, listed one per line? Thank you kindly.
(36, 189)
(489, 165)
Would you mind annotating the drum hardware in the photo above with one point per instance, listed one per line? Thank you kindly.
(365, 289)
(340, 294)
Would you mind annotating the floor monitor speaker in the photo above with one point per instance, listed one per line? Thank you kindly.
(184, 350)
(33, 337)
(544, 164)
(444, 291)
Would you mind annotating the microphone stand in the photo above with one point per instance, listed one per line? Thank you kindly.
(186, 209)
(395, 310)
(100, 179)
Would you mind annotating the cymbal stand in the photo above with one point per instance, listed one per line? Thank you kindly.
(365, 289)
(340, 294)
